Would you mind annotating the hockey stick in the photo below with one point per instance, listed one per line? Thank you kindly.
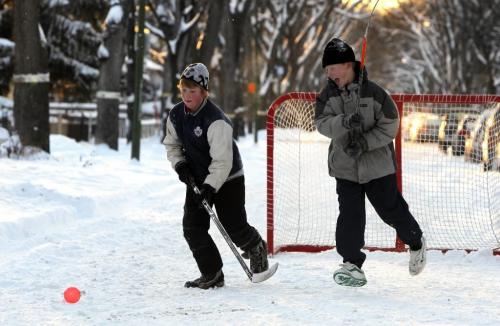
(254, 277)
(356, 133)
(363, 55)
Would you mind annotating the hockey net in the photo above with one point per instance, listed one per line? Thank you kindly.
(448, 153)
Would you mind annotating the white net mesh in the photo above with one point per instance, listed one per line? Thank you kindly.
(451, 190)
(455, 200)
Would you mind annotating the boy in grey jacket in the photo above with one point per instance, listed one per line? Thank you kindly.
(201, 149)
(361, 158)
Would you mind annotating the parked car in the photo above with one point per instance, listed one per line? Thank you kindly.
(473, 150)
(421, 127)
(495, 163)
(491, 139)
(447, 128)
(463, 132)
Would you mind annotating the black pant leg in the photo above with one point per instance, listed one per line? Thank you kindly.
(390, 205)
(350, 232)
(196, 223)
(230, 206)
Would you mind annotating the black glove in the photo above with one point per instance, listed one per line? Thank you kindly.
(356, 147)
(185, 175)
(207, 193)
(353, 121)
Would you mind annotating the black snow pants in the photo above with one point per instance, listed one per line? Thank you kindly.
(389, 204)
(229, 204)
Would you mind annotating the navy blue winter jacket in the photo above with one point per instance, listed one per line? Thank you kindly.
(204, 139)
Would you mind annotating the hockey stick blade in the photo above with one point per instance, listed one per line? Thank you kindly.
(254, 277)
(261, 277)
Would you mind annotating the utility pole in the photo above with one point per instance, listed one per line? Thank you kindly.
(130, 66)
(139, 61)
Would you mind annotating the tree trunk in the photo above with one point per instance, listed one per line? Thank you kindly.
(108, 96)
(31, 90)
(234, 56)
(211, 37)
(180, 45)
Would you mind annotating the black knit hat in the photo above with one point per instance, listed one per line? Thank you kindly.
(337, 51)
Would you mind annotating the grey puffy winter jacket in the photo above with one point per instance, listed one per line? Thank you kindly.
(380, 126)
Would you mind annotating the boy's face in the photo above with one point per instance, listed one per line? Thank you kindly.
(192, 97)
(340, 73)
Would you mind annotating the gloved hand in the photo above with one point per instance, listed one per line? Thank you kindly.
(353, 121)
(207, 193)
(356, 147)
(185, 175)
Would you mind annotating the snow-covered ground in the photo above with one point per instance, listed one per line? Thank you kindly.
(90, 217)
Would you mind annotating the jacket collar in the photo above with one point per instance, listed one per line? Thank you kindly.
(357, 65)
(354, 85)
(202, 105)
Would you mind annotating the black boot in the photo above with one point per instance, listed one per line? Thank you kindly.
(258, 258)
(207, 281)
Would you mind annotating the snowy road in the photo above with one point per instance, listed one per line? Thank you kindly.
(88, 217)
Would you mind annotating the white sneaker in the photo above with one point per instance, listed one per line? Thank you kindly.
(349, 275)
(418, 259)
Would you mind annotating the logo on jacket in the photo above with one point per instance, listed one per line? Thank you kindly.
(198, 131)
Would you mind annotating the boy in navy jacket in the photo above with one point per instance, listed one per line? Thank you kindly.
(200, 147)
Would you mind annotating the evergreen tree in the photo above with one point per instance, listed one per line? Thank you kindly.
(6, 46)
(74, 34)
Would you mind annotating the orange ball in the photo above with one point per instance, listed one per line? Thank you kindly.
(72, 295)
